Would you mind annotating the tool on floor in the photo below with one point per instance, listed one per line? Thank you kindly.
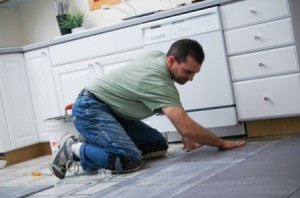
(38, 174)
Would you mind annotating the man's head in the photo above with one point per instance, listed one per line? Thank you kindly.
(184, 60)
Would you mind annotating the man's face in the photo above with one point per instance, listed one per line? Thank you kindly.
(184, 71)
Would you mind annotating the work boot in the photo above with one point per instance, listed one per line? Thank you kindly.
(64, 157)
(153, 149)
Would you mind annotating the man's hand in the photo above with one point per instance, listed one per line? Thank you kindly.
(228, 144)
(189, 145)
(199, 135)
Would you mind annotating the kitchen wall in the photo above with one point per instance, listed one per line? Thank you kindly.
(10, 27)
(35, 21)
(38, 21)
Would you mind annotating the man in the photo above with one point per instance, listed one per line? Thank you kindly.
(107, 113)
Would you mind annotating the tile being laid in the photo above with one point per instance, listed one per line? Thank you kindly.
(273, 172)
(22, 191)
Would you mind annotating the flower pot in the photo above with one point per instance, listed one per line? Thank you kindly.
(63, 30)
(78, 29)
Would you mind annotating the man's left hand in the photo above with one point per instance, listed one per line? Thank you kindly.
(189, 145)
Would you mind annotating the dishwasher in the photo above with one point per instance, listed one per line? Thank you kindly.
(208, 99)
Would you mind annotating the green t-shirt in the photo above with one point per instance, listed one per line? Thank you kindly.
(139, 89)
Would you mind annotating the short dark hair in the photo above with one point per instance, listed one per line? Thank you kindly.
(186, 47)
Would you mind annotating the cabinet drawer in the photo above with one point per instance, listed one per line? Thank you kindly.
(265, 63)
(263, 36)
(253, 11)
(96, 46)
(268, 97)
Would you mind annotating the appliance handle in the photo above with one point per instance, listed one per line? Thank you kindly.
(179, 18)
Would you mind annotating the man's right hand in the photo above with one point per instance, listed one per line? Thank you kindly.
(188, 128)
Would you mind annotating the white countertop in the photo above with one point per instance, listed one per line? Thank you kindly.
(114, 26)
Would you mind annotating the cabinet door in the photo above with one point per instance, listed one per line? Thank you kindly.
(17, 101)
(109, 63)
(70, 79)
(42, 88)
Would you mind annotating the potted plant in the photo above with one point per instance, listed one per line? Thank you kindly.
(73, 21)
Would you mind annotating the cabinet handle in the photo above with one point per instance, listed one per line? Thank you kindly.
(256, 37)
(261, 64)
(266, 98)
(252, 11)
(97, 63)
(44, 53)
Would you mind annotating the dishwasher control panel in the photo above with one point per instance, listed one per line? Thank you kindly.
(181, 26)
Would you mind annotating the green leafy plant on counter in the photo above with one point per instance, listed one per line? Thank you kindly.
(73, 20)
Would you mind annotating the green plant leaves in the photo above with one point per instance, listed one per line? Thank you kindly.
(73, 20)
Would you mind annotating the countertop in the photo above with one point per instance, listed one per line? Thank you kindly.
(114, 26)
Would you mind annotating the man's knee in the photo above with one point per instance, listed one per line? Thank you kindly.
(122, 164)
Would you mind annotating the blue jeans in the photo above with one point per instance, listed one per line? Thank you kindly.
(108, 135)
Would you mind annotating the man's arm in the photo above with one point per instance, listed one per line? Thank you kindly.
(190, 129)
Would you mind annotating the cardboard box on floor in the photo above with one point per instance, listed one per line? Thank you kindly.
(280, 126)
(27, 153)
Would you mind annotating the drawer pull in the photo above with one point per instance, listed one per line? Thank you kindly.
(44, 53)
(261, 64)
(97, 63)
(252, 11)
(266, 98)
(256, 37)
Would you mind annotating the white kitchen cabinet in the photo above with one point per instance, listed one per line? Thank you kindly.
(273, 96)
(107, 43)
(42, 87)
(262, 36)
(262, 43)
(70, 79)
(16, 104)
(85, 59)
(251, 12)
(5, 144)
(107, 64)
(264, 63)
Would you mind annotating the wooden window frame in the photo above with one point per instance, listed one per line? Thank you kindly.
(95, 4)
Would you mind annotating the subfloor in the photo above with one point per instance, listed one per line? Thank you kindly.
(265, 167)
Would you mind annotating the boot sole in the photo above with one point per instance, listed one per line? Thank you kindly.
(55, 170)
(155, 154)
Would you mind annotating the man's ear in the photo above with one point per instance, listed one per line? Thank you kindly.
(171, 60)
